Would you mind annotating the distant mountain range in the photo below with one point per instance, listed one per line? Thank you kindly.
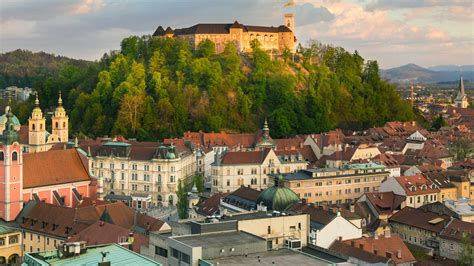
(417, 74)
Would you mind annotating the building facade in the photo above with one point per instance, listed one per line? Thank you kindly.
(335, 185)
(271, 38)
(235, 169)
(10, 246)
(149, 172)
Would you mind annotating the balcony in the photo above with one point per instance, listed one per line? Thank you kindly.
(171, 186)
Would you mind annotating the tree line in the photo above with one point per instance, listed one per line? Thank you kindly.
(155, 88)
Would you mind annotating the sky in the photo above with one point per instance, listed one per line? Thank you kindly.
(393, 32)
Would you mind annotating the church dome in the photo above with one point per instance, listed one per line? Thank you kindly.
(3, 118)
(278, 198)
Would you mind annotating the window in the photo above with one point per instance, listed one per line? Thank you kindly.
(240, 171)
(172, 179)
(185, 258)
(366, 189)
(348, 191)
(418, 199)
(39, 238)
(228, 182)
(123, 186)
(111, 166)
(269, 230)
(134, 186)
(47, 241)
(134, 176)
(146, 167)
(123, 176)
(348, 181)
(146, 188)
(175, 253)
(146, 177)
(2, 241)
(357, 180)
(264, 181)
(172, 169)
(15, 156)
(161, 252)
(134, 167)
(254, 171)
(13, 239)
(2, 156)
(357, 190)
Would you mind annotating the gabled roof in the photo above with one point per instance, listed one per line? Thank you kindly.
(245, 157)
(357, 253)
(53, 167)
(385, 202)
(384, 245)
(419, 218)
(417, 185)
(101, 233)
(211, 205)
(456, 229)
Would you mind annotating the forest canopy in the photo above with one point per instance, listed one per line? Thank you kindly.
(154, 88)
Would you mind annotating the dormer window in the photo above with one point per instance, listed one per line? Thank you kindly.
(413, 188)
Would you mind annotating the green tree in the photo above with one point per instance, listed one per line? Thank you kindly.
(438, 123)
(466, 257)
(182, 204)
(198, 180)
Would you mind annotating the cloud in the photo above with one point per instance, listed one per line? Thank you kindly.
(395, 4)
(308, 14)
(390, 32)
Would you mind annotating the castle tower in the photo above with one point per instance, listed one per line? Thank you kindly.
(193, 200)
(290, 17)
(461, 98)
(60, 122)
(290, 22)
(266, 130)
(11, 172)
(36, 129)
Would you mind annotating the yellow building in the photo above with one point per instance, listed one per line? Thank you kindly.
(335, 185)
(10, 245)
(270, 38)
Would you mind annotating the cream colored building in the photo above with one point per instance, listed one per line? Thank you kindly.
(335, 185)
(270, 38)
(251, 168)
(10, 245)
(147, 171)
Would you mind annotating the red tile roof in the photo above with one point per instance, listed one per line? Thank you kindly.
(211, 205)
(104, 233)
(357, 253)
(245, 157)
(456, 229)
(385, 202)
(384, 245)
(53, 167)
(417, 185)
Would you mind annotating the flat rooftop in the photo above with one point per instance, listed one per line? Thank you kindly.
(220, 239)
(257, 215)
(117, 255)
(275, 257)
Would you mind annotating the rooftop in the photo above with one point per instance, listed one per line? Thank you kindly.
(218, 239)
(275, 257)
(116, 255)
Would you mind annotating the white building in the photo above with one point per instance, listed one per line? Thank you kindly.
(417, 189)
(235, 169)
(147, 171)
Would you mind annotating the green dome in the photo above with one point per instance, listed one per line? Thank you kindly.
(3, 120)
(277, 198)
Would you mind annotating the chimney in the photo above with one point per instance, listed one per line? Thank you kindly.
(376, 236)
(340, 238)
(399, 254)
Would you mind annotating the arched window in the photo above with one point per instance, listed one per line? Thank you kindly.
(57, 124)
(2, 156)
(15, 156)
(64, 124)
(41, 126)
(33, 126)
(170, 199)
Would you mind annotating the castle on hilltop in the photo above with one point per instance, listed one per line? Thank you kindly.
(274, 39)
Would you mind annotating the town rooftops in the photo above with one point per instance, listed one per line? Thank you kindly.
(417, 185)
(328, 172)
(421, 219)
(245, 157)
(53, 168)
(115, 254)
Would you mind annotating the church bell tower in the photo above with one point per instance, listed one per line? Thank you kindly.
(36, 129)
(60, 121)
(11, 172)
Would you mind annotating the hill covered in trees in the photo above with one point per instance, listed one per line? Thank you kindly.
(155, 88)
(24, 68)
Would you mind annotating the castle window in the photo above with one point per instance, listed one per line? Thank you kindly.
(2, 156)
(15, 156)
